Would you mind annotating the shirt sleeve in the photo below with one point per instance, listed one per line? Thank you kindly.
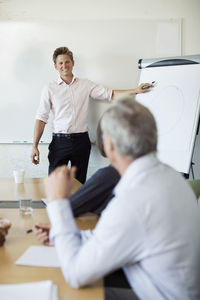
(100, 92)
(44, 106)
(107, 248)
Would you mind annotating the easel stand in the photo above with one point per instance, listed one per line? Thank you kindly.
(192, 171)
(192, 163)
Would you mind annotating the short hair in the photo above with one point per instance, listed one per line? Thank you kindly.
(99, 140)
(60, 51)
(131, 127)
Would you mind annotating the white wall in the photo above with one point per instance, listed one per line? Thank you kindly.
(46, 10)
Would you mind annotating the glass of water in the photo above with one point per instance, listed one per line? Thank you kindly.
(25, 206)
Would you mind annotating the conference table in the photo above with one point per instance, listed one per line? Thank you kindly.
(17, 241)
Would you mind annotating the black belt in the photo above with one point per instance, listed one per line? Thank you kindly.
(69, 135)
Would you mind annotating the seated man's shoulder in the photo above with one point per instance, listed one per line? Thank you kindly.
(108, 173)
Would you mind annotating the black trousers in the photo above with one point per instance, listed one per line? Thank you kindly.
(73, 147)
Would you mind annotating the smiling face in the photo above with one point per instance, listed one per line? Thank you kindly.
(64, 65)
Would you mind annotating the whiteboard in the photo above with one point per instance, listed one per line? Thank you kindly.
(105, 51)
(175, 104)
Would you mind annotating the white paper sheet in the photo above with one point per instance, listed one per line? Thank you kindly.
(39, 256)
(44, 290)
(175, 104)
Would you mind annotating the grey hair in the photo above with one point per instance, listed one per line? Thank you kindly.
(131, 127)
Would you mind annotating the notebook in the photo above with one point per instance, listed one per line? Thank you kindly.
(39, 256)
(45, 290)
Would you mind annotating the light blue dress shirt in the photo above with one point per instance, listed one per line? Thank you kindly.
(151, 229)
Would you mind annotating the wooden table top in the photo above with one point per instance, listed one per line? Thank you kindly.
(31, 188)
(17, 242)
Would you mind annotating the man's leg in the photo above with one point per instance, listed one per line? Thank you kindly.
(80, 155)
(96, 192)
(60, 150)
(73, 147)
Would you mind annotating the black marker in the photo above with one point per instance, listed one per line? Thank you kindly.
(146, 86)
(30, 230)
(34, 229)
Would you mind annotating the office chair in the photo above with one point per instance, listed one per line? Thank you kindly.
(195, 185)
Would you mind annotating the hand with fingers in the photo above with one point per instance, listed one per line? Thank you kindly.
(145, 87)
(35, 156)
(58, 186)
(60, 183)
(42, 234)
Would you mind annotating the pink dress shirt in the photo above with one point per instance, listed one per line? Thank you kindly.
(69, 103)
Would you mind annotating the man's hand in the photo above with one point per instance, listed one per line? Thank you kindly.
(42, 234)
(35, 156)
(59, 184)
(143, 88)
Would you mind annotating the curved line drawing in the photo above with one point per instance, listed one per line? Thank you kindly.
(156, 110)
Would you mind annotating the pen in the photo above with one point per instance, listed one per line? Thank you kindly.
(34, 229)
(30, 230)
(146, 86)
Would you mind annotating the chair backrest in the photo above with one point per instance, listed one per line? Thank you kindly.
(195, 185)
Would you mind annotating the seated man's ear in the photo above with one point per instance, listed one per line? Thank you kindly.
(108, 147)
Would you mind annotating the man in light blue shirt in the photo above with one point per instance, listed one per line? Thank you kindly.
(151, 228)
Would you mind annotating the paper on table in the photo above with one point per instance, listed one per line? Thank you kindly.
(39, 256)
(44, 290)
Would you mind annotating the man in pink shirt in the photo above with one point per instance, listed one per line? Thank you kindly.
(68, 98)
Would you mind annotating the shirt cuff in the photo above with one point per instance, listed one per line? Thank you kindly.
(41, 118)
(86, 235)
(61, 218)
(110, 92)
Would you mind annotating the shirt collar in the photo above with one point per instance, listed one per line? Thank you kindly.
(60, 81)
(138, 167)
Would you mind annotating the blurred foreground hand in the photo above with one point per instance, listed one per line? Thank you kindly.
(5, 224)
